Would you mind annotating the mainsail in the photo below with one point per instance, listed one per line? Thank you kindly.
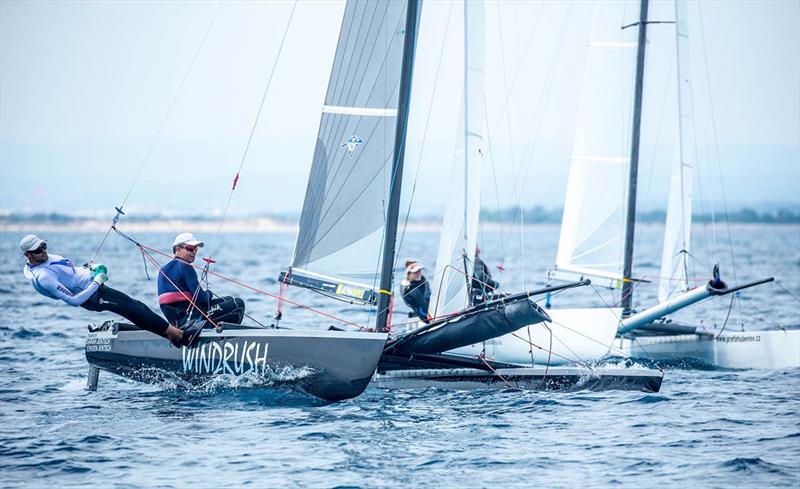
(675, 257)
(593, 225)
(341, 227)
(454, 260)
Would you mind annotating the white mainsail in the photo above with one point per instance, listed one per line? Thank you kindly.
(675, 256)
(343, 219)
(593, 225)
(454, 260)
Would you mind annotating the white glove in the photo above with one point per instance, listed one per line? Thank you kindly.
(100, 278)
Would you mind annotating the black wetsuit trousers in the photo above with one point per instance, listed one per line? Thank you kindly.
(108, 299)
(221, 309)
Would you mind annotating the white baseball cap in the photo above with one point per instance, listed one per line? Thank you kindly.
(414, 267)
(30, 243)
(187, 238)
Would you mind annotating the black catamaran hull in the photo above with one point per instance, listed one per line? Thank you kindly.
(524, 378)
(457, 372)
(331, 365)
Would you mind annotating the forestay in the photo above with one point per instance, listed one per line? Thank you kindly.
(675, 257)
(341, 226)
(454, 260)
(593, 225)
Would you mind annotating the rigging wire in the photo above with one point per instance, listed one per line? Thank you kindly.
(716, 142)
(255, 121)
(158, 132)
(240, 283)
(425, 132)
(530, 145)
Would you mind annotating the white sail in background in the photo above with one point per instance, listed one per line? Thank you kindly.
(593, 225)
(675, 257)
(454, 261)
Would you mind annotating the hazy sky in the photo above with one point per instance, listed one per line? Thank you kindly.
(84, 87)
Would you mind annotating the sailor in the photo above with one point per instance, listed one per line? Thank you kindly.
(56, 277)
(416, 291)
(179, 292)
(483, 285)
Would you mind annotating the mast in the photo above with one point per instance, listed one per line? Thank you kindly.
(467, 274)
(627, 267)
(393, 208)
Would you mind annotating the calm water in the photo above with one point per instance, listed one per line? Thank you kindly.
(704, 429)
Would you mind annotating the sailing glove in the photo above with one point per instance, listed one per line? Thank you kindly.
(100, 278)
(97, 268)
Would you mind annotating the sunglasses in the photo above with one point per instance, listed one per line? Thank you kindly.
(189, 248)
(38, 251)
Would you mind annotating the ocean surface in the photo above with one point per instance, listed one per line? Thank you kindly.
(706, 428)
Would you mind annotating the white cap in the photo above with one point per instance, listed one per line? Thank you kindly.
(30, 243)
(414, 267)
(187, 238)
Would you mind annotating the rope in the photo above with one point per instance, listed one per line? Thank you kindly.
(549, 353)
(193, 304)
(241, 284)
(482, 358)
(255, 122)
(787, 291)
(728, 315)
(554, 353)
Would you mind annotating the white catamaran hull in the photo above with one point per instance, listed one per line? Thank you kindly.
(578, 335)
(771, 349)
(332, 365)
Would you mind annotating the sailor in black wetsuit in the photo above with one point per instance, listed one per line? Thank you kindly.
(56, 277)
(483, 285)
(416, 291)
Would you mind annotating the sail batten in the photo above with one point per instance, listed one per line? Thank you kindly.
(364, 111)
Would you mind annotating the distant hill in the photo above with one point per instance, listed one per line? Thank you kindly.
(533, 215)
(539, 214)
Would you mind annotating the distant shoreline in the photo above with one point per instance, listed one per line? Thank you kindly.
(239, 225)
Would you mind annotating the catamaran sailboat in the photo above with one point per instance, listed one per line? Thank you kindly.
(597, 231)
(414, 357)
(359, 151)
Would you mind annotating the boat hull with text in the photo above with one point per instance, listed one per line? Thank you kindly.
(331, 365)
(681, 345)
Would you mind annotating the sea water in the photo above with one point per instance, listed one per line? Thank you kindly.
(706, 428)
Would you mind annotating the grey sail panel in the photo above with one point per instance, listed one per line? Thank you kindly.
(343, 214)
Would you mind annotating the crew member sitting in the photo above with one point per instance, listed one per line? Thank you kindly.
(179, 292)
(483, 285)
(55, 277)
(416, 291)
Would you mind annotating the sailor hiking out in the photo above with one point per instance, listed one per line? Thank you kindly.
(56, 277)
(416, 291)
(179, 293)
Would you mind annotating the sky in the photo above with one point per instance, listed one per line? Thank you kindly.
(92, 91)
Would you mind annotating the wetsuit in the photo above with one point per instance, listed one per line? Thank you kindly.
(483, 285)
(417, 296)
(58, 279)
(178, 284)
